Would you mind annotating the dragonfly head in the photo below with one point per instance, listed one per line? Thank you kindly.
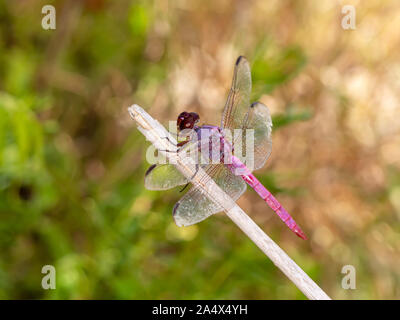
(187, 120)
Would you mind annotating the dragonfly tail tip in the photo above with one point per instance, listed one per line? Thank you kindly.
(301, 234)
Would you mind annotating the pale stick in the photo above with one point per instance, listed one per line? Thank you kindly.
(156, 133)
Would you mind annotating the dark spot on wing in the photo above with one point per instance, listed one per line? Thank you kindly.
(175, 208)
(253, 104)
(238, 60)
(150, 169)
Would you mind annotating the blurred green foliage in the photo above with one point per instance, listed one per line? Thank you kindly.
(292, 115)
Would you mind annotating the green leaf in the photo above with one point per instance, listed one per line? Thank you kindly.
(292, 115)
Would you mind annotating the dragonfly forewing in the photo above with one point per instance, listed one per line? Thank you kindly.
(238, 100)
(200, 151)
(163, 177)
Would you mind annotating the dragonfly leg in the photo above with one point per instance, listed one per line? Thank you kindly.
(180, 144)
(196, 170)
(170, 151)
(169, 141)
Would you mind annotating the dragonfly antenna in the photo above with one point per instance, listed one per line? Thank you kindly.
(156, 133)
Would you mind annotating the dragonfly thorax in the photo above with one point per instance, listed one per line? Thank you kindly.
(212, 144)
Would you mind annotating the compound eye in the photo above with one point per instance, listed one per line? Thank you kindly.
(182, 116)
(195, 116)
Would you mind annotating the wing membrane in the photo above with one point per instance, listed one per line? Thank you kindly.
(163, 177)
(167, 176)
(238, 101)
(257, 118)
(195, 206)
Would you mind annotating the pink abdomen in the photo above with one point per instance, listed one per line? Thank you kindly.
(274, 204)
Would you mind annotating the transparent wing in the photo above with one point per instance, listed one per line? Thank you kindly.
(195, 206)
(167, 176)
(163, 177)
(204, 149)
(238, 101)
(257, 118)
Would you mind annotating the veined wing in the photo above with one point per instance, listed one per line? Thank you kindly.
(238, 101)
(167, 176)
(257, 118)
(195, 206)
(163, 177)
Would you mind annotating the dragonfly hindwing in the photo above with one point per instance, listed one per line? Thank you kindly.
(195, 206)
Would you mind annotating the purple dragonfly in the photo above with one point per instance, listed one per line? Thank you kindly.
(229, 173)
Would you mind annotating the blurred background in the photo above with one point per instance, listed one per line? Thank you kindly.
(72, 162)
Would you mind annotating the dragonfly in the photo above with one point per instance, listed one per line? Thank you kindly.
(229, 173)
